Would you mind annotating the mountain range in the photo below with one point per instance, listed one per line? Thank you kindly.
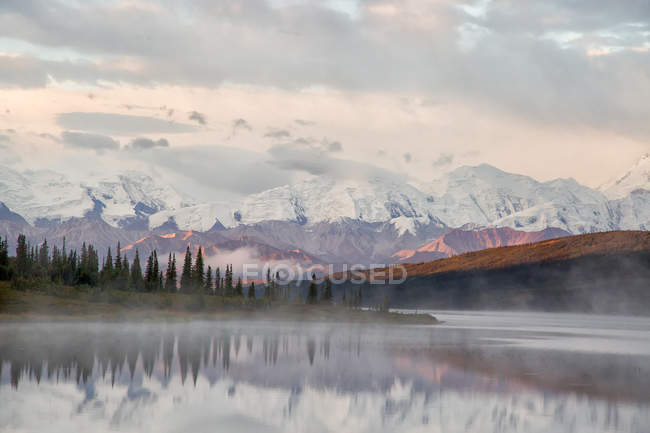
(323, 220)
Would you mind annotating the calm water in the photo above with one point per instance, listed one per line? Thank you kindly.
(478, 372)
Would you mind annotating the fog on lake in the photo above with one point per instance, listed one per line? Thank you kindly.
(477, 372)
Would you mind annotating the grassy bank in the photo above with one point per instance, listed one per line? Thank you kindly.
(66, 303)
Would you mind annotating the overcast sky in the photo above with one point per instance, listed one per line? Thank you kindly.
(235, 96)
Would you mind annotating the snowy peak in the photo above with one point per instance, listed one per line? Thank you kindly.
(326, 199)
(45, 197)
(635, 179)
(487, 196)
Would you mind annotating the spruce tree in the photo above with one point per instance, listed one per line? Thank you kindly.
(208, 280)
(155, 283)
(174, 274)
(5, 273)
(168, 276)
(22, 257)
(197, 272)
(44, 257)
(137, 283)
(327, 291)
(217, 281)
(118, 259)
(239, 289)
(125, 274)
(312, 293)
(228, 281)
(106, 274)
(186, 276)
(251, 291)
(149, 276)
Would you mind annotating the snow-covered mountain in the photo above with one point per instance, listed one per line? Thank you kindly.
(478, 197)
(44, 197)
(314, 201)
(487, 196)
(481, 196)
(635, 179)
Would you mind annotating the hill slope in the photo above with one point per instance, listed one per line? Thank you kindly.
(559, 249)
(460, 241)
(598, 273)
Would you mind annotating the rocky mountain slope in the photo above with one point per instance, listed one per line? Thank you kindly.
(459, 241)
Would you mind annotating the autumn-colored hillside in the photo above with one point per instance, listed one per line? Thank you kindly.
(566, 248)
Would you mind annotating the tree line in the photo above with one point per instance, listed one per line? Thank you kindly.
(37, 264)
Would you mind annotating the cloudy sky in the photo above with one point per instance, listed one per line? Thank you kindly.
(231, 97)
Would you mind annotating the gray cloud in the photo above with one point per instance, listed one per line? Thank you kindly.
(314, 161)
(240, 124)
(49, 136)
(278, 133)
(511, 56)
(407, 157)
(30, 72)
(142, 143)
(5, 138)
(303, 122)
(220, 168)
(120, 124)
(332, 146)
(322, 145)
(198, 117)
(443, 160)
(82, 140)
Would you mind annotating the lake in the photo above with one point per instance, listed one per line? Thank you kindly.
(477, 372)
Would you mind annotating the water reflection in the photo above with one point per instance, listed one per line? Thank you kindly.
(283, 377)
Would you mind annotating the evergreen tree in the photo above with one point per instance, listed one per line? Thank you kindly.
(44, 257)
(5, 273)
(22, 256)
(168, 276)
(186, 276)
(137, 282)
(208, 280)
(228, 281)
(107, 274)
(267, 287)
(217, 281)
(197, 272)
(156, 281)
(174, 274)
(312, 294)
(149, 276)
(239, 289)
(251, 291)
(327, 292)
(123, 282)
(118, 259)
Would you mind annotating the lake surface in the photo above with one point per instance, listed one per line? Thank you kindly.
(477, 372)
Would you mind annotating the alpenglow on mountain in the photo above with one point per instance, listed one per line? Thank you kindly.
(470, 197)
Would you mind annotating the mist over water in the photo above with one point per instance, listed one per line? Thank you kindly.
(478, 372)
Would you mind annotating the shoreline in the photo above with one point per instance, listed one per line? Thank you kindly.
(37, 306)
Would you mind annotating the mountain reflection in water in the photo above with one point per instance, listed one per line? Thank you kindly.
(238, 376)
